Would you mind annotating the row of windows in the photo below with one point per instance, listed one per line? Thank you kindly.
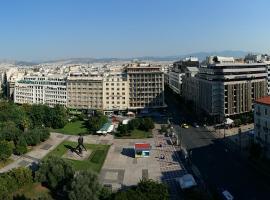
(117, 84)
(118, 93)
(116, 89)
(115, 98)
(118, 102)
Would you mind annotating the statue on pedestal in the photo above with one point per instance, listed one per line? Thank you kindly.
(80, 145)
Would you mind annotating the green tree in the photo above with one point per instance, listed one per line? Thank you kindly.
(55, 172)
(96, 122)
(129, 194)
(153, 190)
(84, 186)
(122, 129)
(5, 150)
(21, 146)
(9, 131)
(22, 176)
(133, 124)
(60, 117)
(147, 124)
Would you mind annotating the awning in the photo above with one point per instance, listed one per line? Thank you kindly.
(228, 121)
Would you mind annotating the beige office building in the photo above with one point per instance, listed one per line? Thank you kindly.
(85, 91)
(146, 86)
(115, 92)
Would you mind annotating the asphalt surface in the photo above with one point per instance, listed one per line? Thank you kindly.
(219, 167)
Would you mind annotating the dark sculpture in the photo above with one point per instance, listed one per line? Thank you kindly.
(80, 145)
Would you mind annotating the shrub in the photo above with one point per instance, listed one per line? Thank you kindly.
(5, 150)
(22, 176)
(55, 172)
(13, 180)
(84, 186)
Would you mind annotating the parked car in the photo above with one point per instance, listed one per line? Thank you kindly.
(184, 126)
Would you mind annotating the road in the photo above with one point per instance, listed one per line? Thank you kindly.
(219, 167)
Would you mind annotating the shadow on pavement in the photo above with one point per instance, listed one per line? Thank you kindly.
(129, 152)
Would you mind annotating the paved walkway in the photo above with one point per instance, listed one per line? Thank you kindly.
(38, 152)
(171, 166)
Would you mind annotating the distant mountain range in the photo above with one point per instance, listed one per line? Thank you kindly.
(200, 55)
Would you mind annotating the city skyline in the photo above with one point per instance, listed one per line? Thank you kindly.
(68, 29)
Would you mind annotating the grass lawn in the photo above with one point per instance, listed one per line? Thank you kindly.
(33, 191)
(95, 160)
(5, 163)
(73, 128)
(137, 134)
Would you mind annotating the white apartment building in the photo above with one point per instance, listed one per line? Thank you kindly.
(262, 123)
(50, 90)
(175, 81)
(115, 91)
(178, 71)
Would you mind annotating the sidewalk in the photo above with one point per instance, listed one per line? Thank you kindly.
(37, 153)
(40, 151)
(171, 166)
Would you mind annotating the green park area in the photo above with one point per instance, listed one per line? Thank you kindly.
(73, 128)
(94, 161)
(137, 128)
(136, 134)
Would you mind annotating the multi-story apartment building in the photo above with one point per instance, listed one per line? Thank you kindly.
(262, 123)
(85, 91)
(177, 73)
(146, 86)
(229, 88)
(190, 84)
(133, 87)
(50, 90)
(115, 91)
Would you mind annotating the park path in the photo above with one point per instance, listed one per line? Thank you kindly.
(32, 158)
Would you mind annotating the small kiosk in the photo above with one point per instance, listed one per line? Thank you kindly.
(142, 150)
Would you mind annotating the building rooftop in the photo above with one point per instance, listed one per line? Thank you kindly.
(142, 146)
(264, 100)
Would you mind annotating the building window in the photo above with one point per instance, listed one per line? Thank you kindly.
(265, 111)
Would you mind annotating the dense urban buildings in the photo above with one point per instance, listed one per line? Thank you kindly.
(262, 123)
(109, 88)
(220, 86)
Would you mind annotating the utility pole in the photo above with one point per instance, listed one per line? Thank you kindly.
(240, 138)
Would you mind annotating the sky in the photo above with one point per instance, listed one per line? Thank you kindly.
(52, 29)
